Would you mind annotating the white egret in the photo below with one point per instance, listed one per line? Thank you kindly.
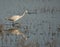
(16, 17)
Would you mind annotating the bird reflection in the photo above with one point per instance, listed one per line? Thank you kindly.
(17, 32)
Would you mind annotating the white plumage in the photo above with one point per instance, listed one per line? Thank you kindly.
(16, 17)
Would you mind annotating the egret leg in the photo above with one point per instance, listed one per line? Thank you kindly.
(12, 24)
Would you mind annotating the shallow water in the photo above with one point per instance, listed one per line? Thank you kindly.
(40, 25)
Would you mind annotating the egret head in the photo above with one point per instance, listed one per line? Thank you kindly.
(26, 11)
